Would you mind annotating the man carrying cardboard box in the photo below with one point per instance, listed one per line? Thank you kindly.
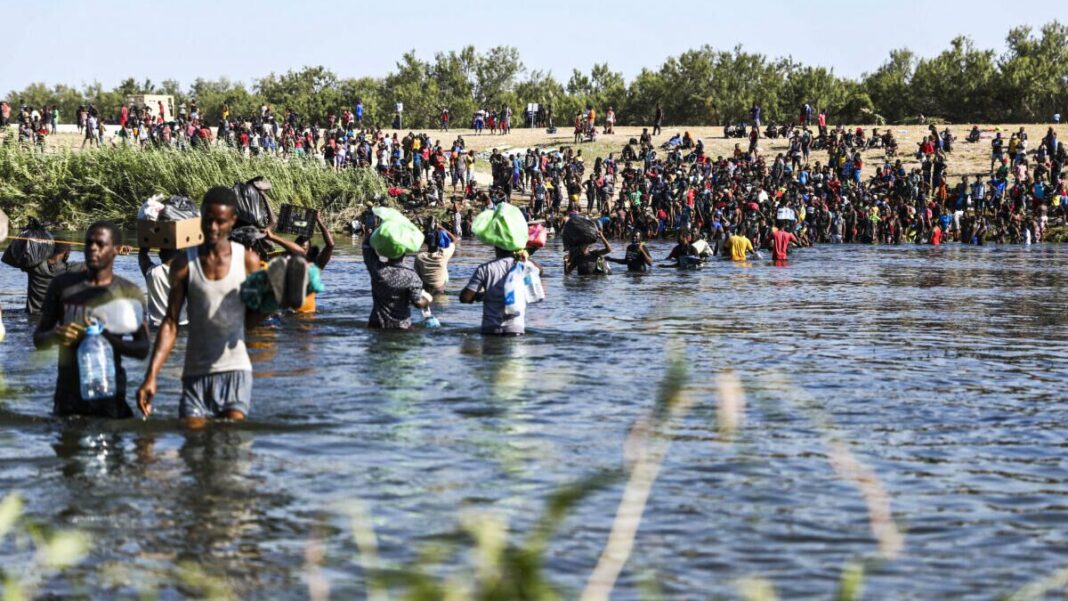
(217, 377)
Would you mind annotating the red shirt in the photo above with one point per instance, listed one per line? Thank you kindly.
(780, 242)
(936, 236)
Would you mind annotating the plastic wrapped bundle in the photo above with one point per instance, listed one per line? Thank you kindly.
(34, 246)
(503, 227)
(179, 208)
(579, 231)
(396, 236)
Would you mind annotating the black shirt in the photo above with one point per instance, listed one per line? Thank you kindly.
(69, 299)
(635, 258)
(39, 277)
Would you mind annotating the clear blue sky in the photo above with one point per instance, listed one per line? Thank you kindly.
(66, 41)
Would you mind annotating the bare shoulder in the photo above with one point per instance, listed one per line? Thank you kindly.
(252, 261)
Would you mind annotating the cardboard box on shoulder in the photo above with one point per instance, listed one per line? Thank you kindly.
(169, 234)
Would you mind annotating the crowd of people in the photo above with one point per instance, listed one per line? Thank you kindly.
(678, 186)
(202, 289)
(837, 198)
(822, 189)
(34, 125)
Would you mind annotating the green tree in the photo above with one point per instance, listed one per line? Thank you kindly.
(211, 95)
(312, 92)
(496, 73)
(540, 88)
(411, 85)
(1034, 73)
(643, 93)
(369, 91)
(958, 84)
(889, 86)
(454, 74)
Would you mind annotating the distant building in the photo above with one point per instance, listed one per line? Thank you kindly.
(152, 101)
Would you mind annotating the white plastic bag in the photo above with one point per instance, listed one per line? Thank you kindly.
(151, 209)
(532, 282)
(120, 316)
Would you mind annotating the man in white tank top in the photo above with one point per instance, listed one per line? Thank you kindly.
(217, 377)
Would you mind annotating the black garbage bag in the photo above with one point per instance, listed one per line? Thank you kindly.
(34, 249)
(579, 231)
(250, 236)
(178, 208)
(251, 206)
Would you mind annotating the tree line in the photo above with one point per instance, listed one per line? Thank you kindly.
(1028, 82)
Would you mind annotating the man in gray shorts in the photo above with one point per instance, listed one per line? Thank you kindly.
(217, 376)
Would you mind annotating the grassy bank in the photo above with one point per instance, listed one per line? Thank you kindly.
(1057, 234)
(72, 189)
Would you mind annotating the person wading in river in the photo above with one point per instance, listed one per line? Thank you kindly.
(432, 265)
(586, 261)
(637, 258)
(740, 246)
(395, 289)
(780, 244)
(487, 285)
(41, 275)
(68, 305)
(217, 377)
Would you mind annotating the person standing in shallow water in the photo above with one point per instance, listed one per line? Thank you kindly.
(217, 376)
(68, 305)
(487, 285)
(395, 289)
(780, 244)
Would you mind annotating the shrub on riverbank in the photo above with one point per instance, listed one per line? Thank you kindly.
(73, 189)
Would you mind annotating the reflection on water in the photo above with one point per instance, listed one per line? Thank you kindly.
(945, 367)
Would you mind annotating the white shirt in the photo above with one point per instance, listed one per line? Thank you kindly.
(158, 282)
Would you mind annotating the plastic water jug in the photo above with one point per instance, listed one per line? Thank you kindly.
(96, 364)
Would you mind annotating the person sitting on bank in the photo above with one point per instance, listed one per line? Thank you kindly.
(67, 309)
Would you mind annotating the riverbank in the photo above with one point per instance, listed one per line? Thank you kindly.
(71, 187)
(969, 159)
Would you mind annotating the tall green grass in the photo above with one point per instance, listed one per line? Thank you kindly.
(73, 189)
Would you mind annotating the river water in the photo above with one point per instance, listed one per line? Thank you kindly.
(944, 370)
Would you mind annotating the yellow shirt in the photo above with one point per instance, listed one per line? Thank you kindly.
(739, 245)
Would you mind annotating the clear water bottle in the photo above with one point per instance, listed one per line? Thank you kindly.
(96, 364)
(532, 281)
